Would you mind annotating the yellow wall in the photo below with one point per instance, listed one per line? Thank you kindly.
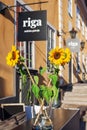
(66, 19)
(7, 39)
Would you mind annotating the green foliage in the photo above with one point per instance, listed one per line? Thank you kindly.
(55, 92)
(53, 78)
(36, 79)
(22, 73)
(35, 90)
(22, 59)
(43, 91)
(46, 93)
(42, 70)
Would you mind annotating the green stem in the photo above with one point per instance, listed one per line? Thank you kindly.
(42, 103)
(28, 73)
(48, 117)
(41, 109)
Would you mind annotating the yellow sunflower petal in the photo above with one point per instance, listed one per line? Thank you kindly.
(56, 55)
(67, 55)
(12, 57)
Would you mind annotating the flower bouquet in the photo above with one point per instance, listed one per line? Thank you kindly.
(43, 93)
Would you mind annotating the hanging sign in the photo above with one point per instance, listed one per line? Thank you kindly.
(32, 26)
(73, 44)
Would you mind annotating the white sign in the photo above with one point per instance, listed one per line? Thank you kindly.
(73, 44)
(32, 23)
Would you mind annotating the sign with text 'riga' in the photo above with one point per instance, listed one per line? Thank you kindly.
(32, 26)
(73, 44)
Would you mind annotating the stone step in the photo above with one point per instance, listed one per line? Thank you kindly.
(72, 94)
(80, 85)
(79, 89)
(77, 99)
(82, 90)
(70, 106)
(74, 102)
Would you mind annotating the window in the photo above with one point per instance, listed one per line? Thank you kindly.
(70, 7)
(83, 63)
(27, 51)
(86, 64)
(85, 2)
(83, 27)
(77, 17)
(30, 54)
(50, 44)
(78, 69)
(26, 48)
(86, 31)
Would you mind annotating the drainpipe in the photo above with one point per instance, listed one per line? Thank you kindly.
(60, 28)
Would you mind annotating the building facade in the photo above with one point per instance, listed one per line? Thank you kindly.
(62, 16)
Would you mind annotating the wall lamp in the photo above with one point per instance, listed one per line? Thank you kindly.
(60, 33)
(3, 6)
(73, 33)
(82, 44)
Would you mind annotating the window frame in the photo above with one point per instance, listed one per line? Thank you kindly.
(51, 43)
(24, 47)
(70, 8)
(78, 17)
(78, 61)
(25, 43)
(83, 26)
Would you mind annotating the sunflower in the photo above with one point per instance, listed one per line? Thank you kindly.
(13, 57)
(56, 56)
(67, 56)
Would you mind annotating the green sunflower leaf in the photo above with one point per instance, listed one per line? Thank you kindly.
(42, 70)
(55, 92)
(35, 90)
(36, 79)
(46, 93)
(54, 79)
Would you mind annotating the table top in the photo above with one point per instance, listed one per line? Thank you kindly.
(61, 117)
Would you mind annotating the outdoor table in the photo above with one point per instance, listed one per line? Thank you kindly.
(63, 119)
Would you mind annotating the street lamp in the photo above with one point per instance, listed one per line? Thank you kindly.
(73, 33)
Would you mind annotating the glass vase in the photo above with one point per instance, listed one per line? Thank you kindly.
(43, 119)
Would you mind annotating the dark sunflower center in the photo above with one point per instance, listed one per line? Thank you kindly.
(13, 55)
(56, 55)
